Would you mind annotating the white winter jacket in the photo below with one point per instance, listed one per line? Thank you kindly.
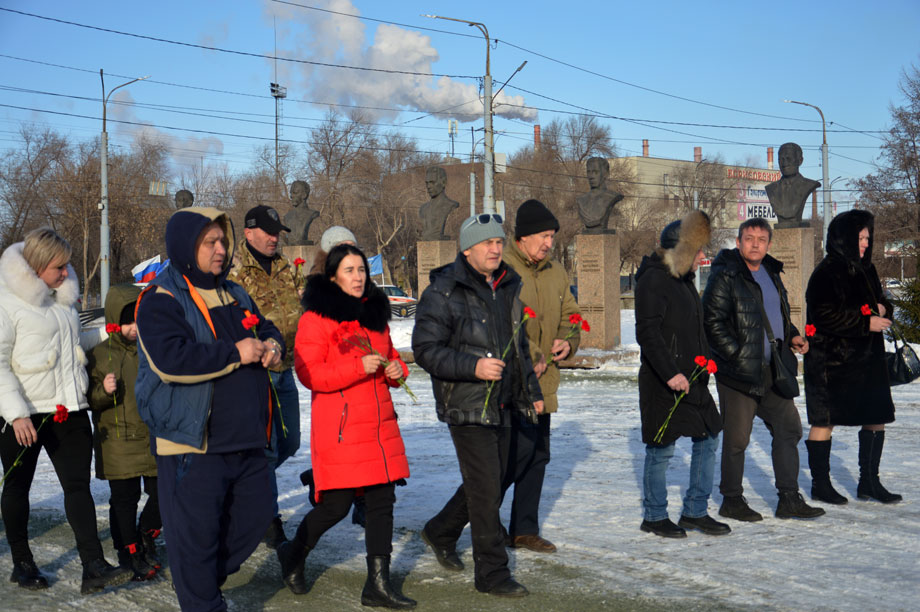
(41, 361)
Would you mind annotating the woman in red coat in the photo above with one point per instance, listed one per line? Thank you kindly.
(355, 445)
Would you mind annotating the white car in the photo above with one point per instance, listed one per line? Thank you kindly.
(400, 304)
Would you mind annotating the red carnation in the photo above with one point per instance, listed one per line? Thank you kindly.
(299, 261)
(575, 318)
(529, 313)
(711, 367)
(810, 330)
(700, 361)
(112, 328)
(250, 321)
(865, 310)
(61, 414)
(585, 326)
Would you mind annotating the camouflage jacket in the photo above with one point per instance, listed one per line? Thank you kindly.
(277, 296)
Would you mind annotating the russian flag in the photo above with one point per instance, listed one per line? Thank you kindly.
(146, 271)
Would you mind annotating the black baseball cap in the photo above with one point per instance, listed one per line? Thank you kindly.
(266, 219)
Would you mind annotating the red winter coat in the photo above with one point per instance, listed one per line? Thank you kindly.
(354, 438)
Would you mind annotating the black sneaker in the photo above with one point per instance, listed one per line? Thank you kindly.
(148, 540)
(98, 574)
(664, 528)
(792, 505)
(706, 524)
(134, 560)
(27, 576)
(737, 508)
(274, 535)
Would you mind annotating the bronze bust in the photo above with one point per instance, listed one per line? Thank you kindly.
(789, 194)
(595, 207)
(300, 218)
(434, 212)
(184, 199)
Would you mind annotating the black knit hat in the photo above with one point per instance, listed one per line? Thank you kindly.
(533, 217)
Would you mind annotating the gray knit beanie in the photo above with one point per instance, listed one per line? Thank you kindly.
(335, 235)
(480, 227)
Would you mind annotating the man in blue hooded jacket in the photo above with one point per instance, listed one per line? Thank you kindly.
(203, 391)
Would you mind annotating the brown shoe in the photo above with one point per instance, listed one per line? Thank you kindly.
(534, 542)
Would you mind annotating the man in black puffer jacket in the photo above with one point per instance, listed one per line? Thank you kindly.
(464, 321)
(743, 283)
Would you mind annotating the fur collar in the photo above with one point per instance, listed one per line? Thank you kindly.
(695, 232)
(326, 299)
(21, 281)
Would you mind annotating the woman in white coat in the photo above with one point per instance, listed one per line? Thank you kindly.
(42, 366)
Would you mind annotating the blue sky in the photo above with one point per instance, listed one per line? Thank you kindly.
(845, 57)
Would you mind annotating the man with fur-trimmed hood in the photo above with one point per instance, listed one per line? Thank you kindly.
(669, 329)
(203, 391)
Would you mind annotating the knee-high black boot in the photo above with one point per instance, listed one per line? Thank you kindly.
(292, 555)
(378, 591)
(870, 455)
(819, 457)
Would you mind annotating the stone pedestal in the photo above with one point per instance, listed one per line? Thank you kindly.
(795, 247)
(598, 272)
(305, 251)
(433, 254)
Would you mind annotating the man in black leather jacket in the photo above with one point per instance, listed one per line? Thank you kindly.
(464, 321)
(744, 283)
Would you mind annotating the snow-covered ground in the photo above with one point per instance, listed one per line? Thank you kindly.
(861, 556)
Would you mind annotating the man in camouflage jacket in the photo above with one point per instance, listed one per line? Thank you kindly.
(274, 285)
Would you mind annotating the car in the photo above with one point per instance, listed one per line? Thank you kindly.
(400, 303)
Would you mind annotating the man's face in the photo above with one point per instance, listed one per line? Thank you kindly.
(299, 194)
(597, 176)
(210, 252)
(537, 246)
(261, 241)
(435, 184)
(485, 256)
(184, 199)
(753, 245)
(789, 161)
(697, 260)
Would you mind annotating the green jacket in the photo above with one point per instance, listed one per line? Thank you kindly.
(546, 291)
(120, 439)
(277, 295)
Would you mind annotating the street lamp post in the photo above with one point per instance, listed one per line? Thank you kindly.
(488, 196)
(826, 181)
(104, 249)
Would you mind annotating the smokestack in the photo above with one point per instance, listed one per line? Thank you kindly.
(697, 154)
(769, 158)
(536, 137)
(645, 147)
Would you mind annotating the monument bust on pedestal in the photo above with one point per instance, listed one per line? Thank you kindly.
(594, 207)
(434, 212)
(789, 194)
(300, 218)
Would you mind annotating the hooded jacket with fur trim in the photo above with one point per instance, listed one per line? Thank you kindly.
(669, 330)
(354, 438)
(846, 373)
(42, 362)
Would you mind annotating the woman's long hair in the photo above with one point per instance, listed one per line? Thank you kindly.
(340, 252)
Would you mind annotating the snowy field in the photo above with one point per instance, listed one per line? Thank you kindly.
(861, 556)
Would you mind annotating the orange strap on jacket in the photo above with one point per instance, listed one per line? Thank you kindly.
(199, 302)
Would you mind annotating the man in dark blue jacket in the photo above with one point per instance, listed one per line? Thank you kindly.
(203, 391)
(464, 321)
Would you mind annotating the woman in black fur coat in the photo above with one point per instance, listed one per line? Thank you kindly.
(846, 374)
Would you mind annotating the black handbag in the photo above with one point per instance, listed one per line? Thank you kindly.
(783, 363)
(903, 365)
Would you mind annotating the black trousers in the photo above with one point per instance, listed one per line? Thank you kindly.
(529, 456)
(335, 504)
(70, 447)
(482, 452)
(126, 493)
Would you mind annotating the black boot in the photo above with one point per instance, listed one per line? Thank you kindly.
(148, 541)
(292, 555)
(791, 505)
(98, 574)
(378, 591)
(132, 558)
(27, 576)
(870, 455)
(819, 457)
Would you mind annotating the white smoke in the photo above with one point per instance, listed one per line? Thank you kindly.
(338, 39)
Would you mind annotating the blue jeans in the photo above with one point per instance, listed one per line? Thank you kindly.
(696, 499)
(283, 446)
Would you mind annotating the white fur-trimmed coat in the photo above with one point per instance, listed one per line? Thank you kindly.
(42, 363)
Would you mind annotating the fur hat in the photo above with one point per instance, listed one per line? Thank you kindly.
(533, 217)
(480, 227)
(681, 240)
